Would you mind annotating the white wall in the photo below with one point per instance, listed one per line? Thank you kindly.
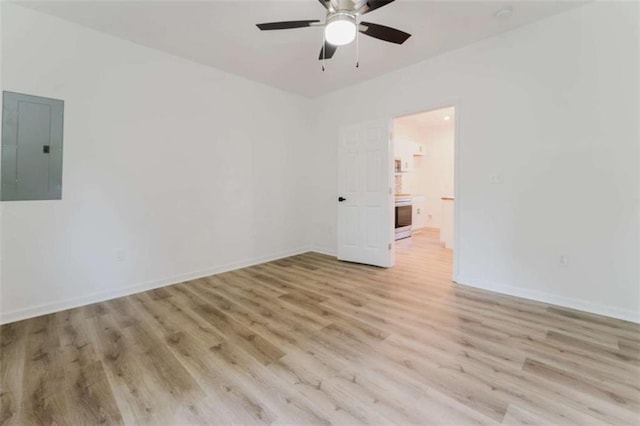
(432, 174)
(553, 107)
(186, 169)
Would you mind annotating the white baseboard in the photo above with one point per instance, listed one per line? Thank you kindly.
(325, 251)
(62, 305)
(553, 299)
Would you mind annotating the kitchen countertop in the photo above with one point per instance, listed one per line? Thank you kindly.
(403, 198)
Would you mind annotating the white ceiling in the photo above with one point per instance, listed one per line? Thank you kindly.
(223, 34)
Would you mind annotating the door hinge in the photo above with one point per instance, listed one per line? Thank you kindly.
(389, 246)
(390, 191)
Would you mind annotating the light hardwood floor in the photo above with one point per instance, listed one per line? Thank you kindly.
(309, 340)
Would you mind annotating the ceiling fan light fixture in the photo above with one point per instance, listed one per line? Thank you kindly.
(340, 29)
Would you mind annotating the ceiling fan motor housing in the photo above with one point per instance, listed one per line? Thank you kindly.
(341, 15)
(351, 5)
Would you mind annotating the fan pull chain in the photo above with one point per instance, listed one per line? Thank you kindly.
(357, 46)
(324, 50)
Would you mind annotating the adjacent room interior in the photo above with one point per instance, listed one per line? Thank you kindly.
(320, 212)
(424, 164)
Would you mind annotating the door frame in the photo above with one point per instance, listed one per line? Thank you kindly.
(432, 106)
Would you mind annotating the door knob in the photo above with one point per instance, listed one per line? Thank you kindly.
(341, 199)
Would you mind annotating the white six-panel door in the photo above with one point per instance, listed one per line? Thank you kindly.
(365, 182)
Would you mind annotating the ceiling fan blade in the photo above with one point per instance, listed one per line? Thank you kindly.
(376, 4)
(286, 25)
(385, 33)
(328, 49)
(325, 3)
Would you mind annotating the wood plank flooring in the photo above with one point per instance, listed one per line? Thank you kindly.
(310, 340)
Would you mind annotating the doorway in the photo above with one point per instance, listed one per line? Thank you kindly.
(424, 147)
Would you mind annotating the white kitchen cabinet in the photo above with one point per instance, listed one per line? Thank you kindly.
(404, 153)
(419, 214)
(407, 164)
(405, 150)
(407, 156)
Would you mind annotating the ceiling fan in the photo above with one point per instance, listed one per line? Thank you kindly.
(342, 25)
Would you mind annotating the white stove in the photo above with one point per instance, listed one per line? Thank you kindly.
(403, 216)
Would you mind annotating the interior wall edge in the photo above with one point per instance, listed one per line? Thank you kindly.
(63, 305)
(325, 251)
(553, 299)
